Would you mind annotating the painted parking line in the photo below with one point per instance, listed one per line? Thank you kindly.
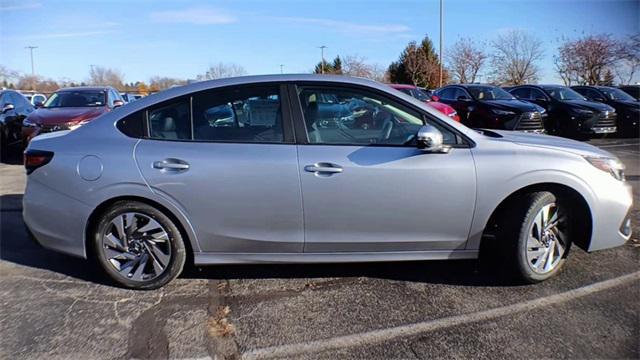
(384, 335)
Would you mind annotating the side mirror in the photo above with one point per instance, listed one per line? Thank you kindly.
(7, 107)
(435, 98)
(599, 99)
(38, 104)
(117, 103)
(463, 98)
(429, 139)
(542, 99)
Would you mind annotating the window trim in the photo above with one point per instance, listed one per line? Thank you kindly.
(287, 131)
(301, 130)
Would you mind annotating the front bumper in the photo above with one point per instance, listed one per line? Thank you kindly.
(599, 123)
(611, 215)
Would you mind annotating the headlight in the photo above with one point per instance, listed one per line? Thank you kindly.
(27, 123)
(582, 112)
(609, 165)
(502, 112)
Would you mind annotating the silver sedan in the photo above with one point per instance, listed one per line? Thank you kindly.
(309, 168)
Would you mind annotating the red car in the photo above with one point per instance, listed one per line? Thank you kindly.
(431, 100)
(70, 108)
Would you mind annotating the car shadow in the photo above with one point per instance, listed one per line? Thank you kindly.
(13, 156)
(17, 247)
(449, 272)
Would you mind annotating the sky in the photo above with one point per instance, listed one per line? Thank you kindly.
(145, 38)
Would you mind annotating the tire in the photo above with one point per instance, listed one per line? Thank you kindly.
(538, 259)
(138, 246)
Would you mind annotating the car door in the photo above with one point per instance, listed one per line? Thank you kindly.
(365, 185)
(450, 97)
(227, 157)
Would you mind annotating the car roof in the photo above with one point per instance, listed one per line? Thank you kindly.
(85, 88)
(403, 86)
(256, 79)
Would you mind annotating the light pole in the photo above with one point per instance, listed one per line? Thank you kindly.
(441, 58)
(322, 57)
(33, 72)
(281, 69)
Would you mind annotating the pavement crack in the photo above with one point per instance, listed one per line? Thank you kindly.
(222, 344)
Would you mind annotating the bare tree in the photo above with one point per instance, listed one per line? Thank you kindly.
(629, 63)
(99, 75)
(37, 83)
(8, 76)
(222, 70)
(158, 83)
(355, 65)
(514, 58)
(587, 60)
(465, 60)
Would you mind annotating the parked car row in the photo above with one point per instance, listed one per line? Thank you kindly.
(575, 112)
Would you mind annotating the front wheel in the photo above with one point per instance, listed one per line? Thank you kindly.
(535, 237)
(138, 246)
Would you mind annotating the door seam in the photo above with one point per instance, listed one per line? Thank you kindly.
(304, 219)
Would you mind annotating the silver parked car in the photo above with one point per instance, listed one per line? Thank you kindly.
(309, 168)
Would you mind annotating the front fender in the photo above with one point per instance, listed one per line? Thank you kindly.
(488, 202)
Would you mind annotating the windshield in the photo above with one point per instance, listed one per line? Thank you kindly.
(421, 95)
(76, 99)
(617, 94)
(562, 93)
(483, 93)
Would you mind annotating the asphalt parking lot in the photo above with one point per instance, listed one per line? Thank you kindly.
(55, 306)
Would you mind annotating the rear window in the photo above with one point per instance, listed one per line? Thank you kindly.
(133, 125)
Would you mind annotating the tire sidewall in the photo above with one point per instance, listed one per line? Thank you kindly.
(178, 252)
(539, 200)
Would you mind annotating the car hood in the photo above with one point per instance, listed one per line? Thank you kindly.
(55, 116)
(552, 142)
(511, 105)
(627, 104)
(589, 105)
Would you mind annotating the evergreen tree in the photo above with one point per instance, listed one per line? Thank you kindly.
(419, 64)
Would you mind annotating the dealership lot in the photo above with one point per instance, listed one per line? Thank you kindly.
(56, 306)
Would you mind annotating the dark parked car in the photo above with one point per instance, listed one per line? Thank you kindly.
(70, 108)
(569, 113)
(633, 90)
(15, 108)
(490, 107)
(627, 108)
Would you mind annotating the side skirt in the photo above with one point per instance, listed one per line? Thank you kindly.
(203, 258)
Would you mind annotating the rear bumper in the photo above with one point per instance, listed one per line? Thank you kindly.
(54, 220)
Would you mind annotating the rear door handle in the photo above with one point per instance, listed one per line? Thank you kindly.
(173, 165)
(323, 168)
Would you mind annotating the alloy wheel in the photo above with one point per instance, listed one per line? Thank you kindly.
(137, 246)
(546, 244)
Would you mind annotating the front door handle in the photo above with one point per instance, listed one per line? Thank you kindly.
(173, 165)
(323, 168)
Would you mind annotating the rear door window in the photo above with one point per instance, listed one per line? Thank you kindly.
(239, 115)
(170, 121)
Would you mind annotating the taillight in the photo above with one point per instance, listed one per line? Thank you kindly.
(34, 159)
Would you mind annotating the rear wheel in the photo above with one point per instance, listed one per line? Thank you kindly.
(535, 237)
(138, 246)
